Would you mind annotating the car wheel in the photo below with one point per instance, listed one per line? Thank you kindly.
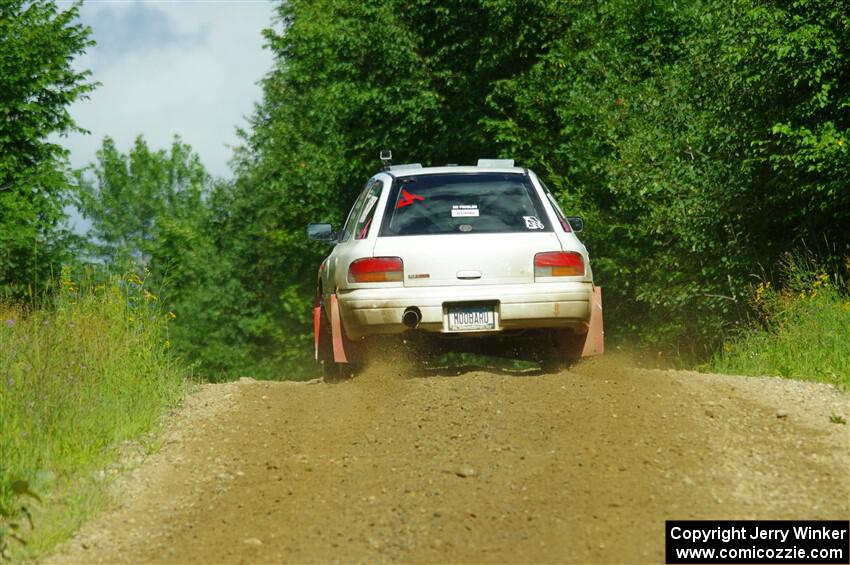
(551, 363)
(561, 349)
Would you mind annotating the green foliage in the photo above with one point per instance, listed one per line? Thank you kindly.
(142, 204)
(158, 210)
(79, 377)
(14, 508)
(802, 328)
(37, 84)
(698, 139)
(663, 125)
(351, 79)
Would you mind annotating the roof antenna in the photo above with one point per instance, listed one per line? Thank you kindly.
(386, 158)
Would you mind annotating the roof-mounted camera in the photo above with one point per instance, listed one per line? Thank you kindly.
(386, 158)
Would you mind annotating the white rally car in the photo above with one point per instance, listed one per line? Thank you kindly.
(456, 252)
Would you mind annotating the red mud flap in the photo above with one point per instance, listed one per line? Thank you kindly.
(317, 326)
(336, 330)
(595, 342)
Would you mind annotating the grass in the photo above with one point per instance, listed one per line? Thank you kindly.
(77, 378)
(801, 329)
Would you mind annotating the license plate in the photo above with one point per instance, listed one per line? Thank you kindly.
(471, 318)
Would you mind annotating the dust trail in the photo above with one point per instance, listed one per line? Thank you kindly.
(388, 360)
(604, 366)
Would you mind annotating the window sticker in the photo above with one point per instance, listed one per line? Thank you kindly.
(464, 211)
(407, 199)
(532, 223)
(368, 208)
(365, 231)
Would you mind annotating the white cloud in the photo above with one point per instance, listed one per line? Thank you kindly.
(166, 68)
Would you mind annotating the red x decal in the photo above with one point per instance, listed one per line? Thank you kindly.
(407, 199)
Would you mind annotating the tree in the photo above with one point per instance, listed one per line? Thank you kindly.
(37, 84)
(701, 140)
(134, 199)
(350, 79)
(161, 212)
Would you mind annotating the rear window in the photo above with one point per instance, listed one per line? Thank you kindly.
(463, 203)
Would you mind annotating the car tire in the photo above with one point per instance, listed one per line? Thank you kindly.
(563, 349)
(551, 363)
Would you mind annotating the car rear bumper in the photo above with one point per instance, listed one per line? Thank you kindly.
(372, 311)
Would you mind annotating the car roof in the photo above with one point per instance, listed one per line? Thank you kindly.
(413, 170)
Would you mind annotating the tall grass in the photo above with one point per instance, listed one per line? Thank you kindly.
(801, 328)
(77, 377)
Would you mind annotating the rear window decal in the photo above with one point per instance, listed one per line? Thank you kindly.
(407, 199)
(465, 211)
(365, 231)
(532, 223)
(368, 208)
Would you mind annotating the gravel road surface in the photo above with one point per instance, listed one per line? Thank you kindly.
(400, 465)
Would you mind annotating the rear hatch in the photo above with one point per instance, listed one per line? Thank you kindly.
(465, 228)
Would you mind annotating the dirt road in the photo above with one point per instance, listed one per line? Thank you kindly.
(582, 466)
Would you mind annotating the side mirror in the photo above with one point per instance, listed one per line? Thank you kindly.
(576, 223)
(321, 232)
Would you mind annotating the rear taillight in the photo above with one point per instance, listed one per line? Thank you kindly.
(376, 269)
(558, 264)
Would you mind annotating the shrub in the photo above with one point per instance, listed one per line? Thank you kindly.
(801, 329)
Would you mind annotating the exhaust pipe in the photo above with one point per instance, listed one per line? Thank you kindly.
(411, 317)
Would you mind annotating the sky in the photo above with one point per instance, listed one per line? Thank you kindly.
(166, 67)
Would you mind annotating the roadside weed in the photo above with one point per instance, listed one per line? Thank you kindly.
(801, 329)
(77, 377)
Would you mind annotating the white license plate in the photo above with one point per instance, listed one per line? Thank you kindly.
(471, 318)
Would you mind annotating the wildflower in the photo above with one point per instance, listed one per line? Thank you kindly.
(172, 315)
(151, 296)
(760, 290)
(822, 279)
(10, 323)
